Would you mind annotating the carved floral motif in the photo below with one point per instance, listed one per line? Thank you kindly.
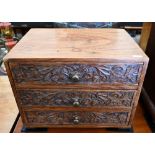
(67, 98)
(61, 73)
(60, 118)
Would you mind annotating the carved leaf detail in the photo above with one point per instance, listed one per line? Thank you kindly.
(59, 117)
(66, 98)
(99, 74)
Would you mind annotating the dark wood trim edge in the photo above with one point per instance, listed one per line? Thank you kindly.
(15, 123)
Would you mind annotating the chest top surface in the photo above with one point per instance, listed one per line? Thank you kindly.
(106, 44)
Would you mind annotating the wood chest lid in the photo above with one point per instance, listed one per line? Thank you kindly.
(101, 44)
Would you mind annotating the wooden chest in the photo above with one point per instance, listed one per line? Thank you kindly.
(76, 77)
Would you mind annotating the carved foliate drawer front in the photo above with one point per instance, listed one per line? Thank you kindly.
(76, 73)
(76, 98)
(71, 117)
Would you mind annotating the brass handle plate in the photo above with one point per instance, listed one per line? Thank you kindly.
(76, 120)
(74, 77)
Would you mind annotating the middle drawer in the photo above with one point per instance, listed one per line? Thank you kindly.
(76, 98)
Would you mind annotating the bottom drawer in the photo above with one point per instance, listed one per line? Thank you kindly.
(75, 118)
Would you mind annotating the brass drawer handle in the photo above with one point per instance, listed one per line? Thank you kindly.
(75, 77)
(76, 120)
(76, 103)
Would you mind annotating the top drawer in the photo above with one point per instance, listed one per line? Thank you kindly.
(76, 73)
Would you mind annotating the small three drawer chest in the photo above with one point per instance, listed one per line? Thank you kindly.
(78, 78)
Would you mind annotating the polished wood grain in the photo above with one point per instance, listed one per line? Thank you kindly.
(90, 65)
(8, 107)
(77, 44)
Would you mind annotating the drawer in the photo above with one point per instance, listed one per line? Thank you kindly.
(76, 98)
(75, 73)
(75, 118)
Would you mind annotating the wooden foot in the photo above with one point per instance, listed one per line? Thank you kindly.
(33, 130)
(122, 130)
(128, 130)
